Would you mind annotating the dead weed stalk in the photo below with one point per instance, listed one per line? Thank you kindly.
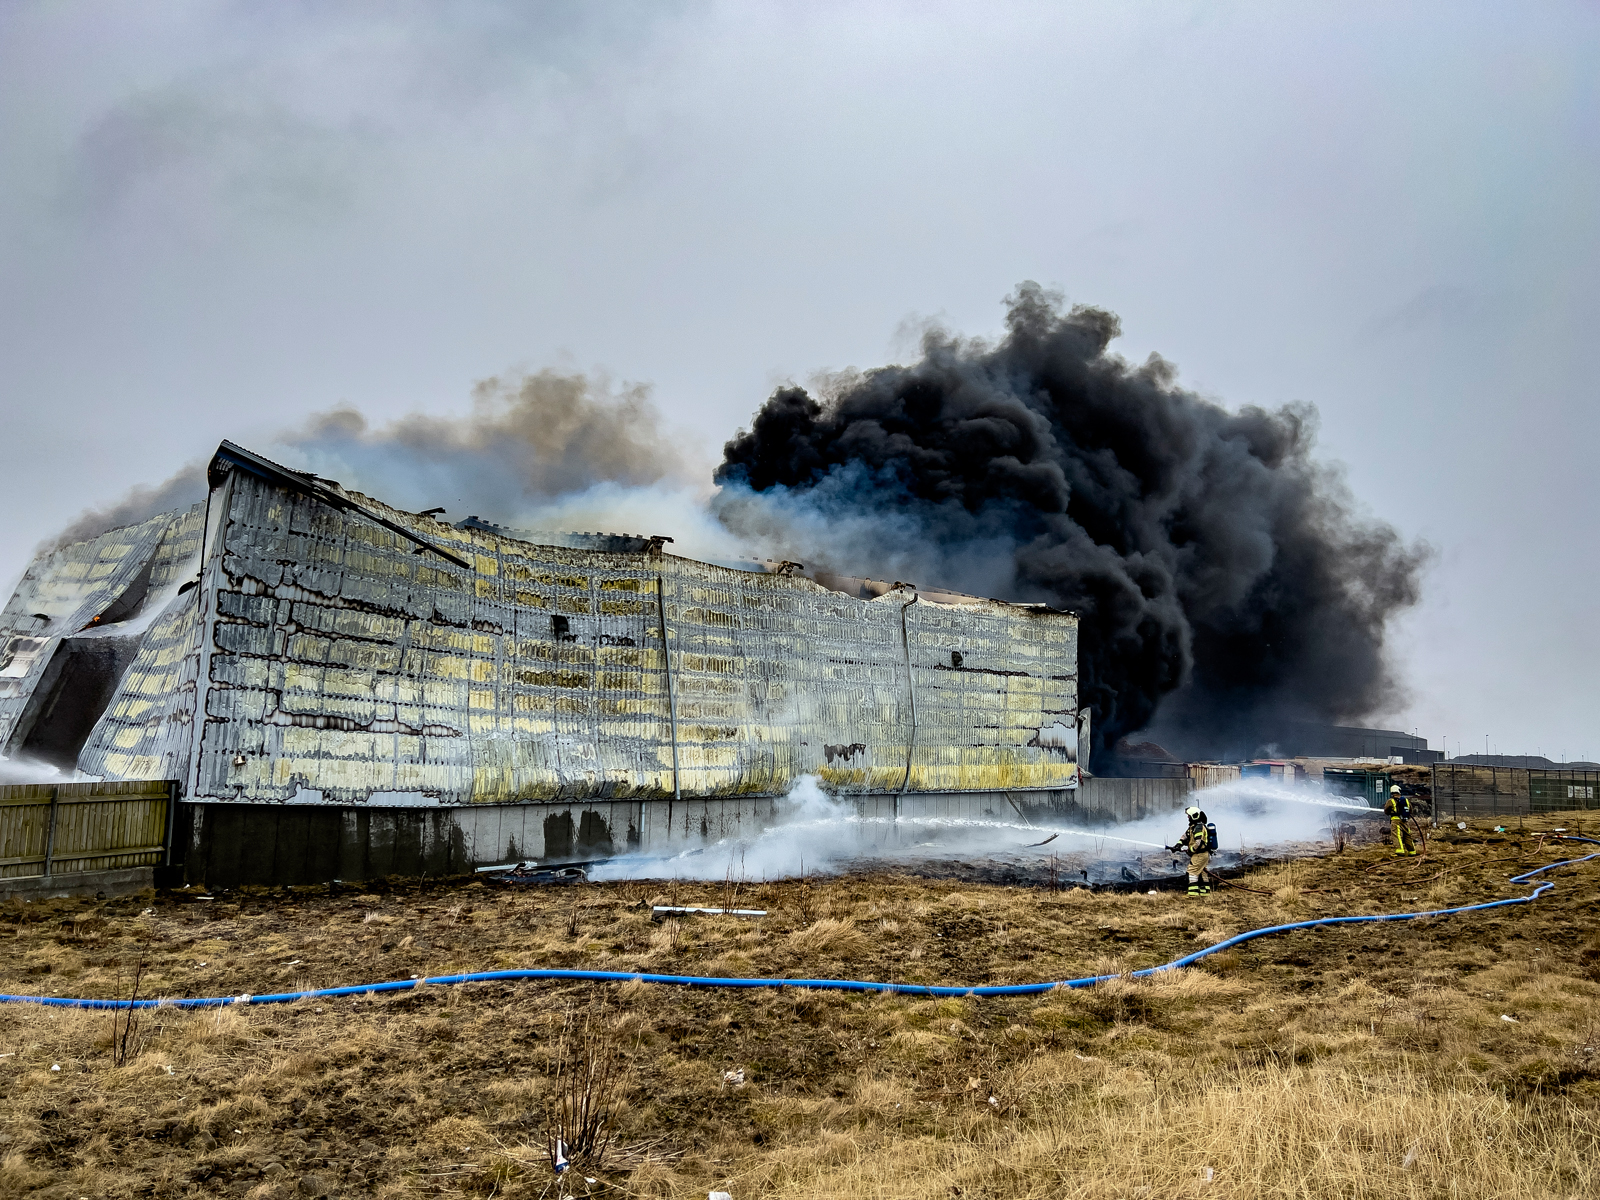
(730, 890)
(806, 902)
(126, 1023)
(579, 1112)
(572, 918)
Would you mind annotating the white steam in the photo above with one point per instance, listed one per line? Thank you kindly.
(839, 526)
(814, 832)
(820, 834)
(1253, 815)
(30, 770)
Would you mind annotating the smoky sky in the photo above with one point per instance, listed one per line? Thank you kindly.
(529, 443)
(225, 220)
(527, 439)
(1222, 574)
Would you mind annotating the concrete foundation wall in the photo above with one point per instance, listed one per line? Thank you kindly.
(233, 844)
(127, 882)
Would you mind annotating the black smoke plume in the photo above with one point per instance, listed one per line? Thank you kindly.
(1222, 576)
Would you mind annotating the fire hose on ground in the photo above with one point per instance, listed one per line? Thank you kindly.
(833, 985)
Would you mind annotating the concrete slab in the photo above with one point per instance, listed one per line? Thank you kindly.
(126, 882)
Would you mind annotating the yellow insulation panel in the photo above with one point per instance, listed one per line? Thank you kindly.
(325, 658)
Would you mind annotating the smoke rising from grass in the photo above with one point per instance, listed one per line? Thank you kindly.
(1224, 578)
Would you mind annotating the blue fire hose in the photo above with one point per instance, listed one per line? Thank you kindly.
(831, 985)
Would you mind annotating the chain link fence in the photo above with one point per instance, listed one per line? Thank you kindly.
(1463, 790)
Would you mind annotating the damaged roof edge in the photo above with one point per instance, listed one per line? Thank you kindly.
(609, 543)
(299, 481)
(236, 456)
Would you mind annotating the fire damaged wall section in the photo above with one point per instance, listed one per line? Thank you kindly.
(78, 623)
(147, 729)
(334, 662)
(70, 698)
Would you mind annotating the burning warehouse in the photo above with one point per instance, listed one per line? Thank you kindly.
(342, 689)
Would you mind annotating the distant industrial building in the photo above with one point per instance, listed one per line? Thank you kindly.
(1306, 739)
(1530, 762)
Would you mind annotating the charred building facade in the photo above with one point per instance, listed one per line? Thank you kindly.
(289, 645)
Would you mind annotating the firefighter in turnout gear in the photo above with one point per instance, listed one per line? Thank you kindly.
(1199, 840)
(1398, 810)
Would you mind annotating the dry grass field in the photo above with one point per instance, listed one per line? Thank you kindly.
(1447, 1057)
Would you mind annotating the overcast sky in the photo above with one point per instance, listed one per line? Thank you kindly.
(216, 219)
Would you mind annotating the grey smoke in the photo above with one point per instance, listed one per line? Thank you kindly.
(139, 504)
(1227, 581)
(542, 450)
(527, 440)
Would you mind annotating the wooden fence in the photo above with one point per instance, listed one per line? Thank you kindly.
(74, 828)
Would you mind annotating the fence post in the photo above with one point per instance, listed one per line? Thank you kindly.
(172, 813)
(50, 835)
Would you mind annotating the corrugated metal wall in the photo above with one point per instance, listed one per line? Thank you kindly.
(64, 592)
(1133, 799)
(336, 664)
(231, 844)
(1204, 775)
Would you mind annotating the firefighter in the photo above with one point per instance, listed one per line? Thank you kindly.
(1398, 810)
(1199, 840)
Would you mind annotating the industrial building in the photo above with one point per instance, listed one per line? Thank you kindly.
(322, 674)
